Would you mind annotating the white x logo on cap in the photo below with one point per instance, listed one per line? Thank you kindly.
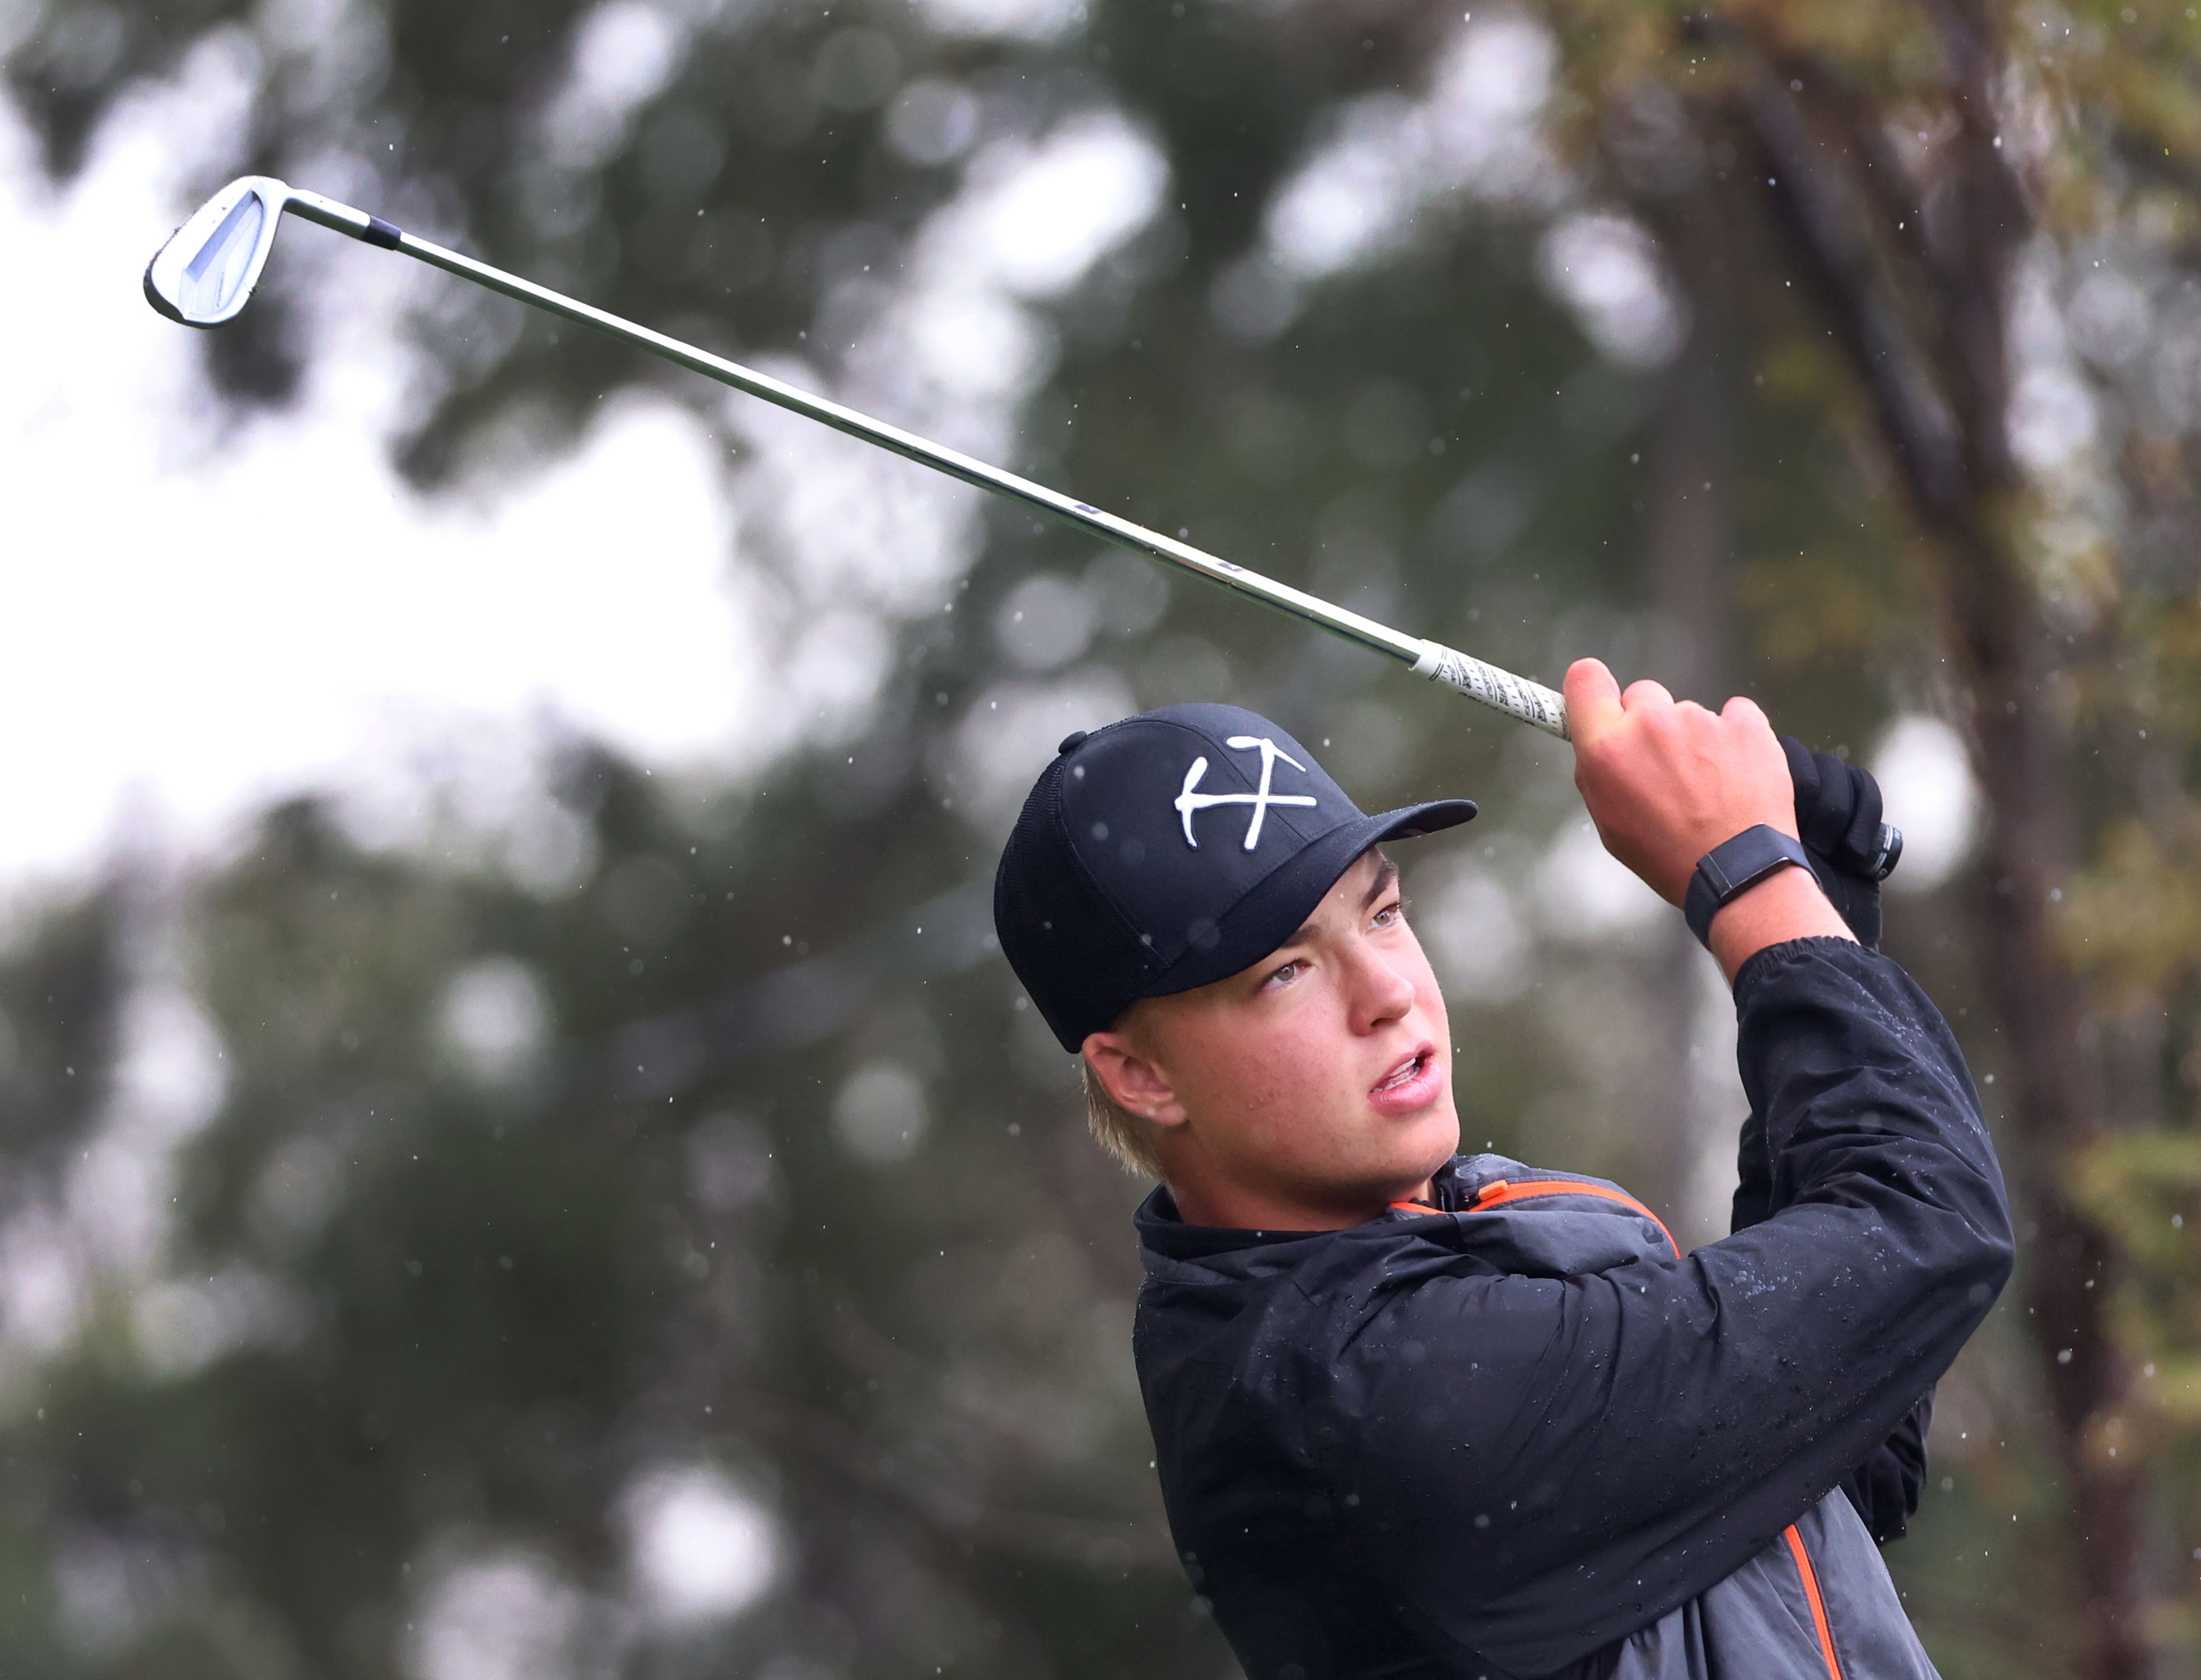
(1261, 799)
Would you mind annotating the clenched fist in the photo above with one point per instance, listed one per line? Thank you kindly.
(1666, 782)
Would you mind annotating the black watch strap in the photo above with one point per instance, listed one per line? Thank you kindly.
(1731, 867)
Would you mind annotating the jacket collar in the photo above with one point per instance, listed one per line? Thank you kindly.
(1478, 1200)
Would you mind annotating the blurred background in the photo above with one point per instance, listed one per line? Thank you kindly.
(521, 1157)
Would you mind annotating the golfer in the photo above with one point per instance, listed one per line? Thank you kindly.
(1418, 1413)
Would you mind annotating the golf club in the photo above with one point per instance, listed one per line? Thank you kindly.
(204, 276)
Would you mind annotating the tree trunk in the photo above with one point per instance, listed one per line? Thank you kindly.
(2023, 755)
(1922, 317)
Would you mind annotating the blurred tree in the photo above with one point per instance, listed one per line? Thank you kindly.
(1917, 176)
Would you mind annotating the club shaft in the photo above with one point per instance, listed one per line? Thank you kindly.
(1515, 696)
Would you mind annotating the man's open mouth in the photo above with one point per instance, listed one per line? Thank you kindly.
(1405, 1071)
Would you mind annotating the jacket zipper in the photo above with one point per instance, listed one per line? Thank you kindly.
(1810, 1578)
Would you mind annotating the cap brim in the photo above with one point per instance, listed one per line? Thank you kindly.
(1411, 822)
(1279, 907)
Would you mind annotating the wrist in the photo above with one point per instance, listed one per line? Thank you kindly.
(1733, 866)
(1784, 905)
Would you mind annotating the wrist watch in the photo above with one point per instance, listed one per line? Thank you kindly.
(1732, 868)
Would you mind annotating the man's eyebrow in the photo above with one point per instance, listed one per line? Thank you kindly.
(1387, 877)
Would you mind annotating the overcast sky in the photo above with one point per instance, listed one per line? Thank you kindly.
(201, 614)
(199, 617)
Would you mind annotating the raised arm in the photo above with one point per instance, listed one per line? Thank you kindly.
(1884, 1488)
(1591, 1451)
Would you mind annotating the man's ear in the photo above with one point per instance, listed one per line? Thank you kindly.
(1132, 1078)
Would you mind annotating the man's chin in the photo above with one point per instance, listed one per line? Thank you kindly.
(1435, 1134)
(1407, 1176)
(1443, 1148)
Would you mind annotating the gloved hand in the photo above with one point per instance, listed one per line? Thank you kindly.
(1837, 818)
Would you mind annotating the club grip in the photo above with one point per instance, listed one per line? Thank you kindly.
(1501, 691)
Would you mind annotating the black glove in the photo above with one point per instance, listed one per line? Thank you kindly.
(1838, 820)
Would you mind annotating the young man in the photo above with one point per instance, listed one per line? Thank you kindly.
(1422, 1414)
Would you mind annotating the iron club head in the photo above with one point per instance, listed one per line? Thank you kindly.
(205, 274)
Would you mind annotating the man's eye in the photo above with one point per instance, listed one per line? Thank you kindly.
(1392, 913)
(1284, 976)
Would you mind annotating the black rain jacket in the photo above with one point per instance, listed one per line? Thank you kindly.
(1515, 1434)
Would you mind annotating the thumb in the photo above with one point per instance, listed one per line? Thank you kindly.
(1593, 701)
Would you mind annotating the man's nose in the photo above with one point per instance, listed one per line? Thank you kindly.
(1382, 993)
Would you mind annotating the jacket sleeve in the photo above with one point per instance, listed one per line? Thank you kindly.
(1886, 1488)
(1590, 1452)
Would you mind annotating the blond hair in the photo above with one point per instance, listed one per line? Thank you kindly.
(1123, 1134)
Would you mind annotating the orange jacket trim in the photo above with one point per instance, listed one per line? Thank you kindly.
(1818, 1605)
(1500, 1190)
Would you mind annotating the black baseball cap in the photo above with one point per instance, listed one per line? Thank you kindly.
(1169, 850)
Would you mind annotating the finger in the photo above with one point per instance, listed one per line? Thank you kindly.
(1644, 693)
(1593, 701)
(1744, 710)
